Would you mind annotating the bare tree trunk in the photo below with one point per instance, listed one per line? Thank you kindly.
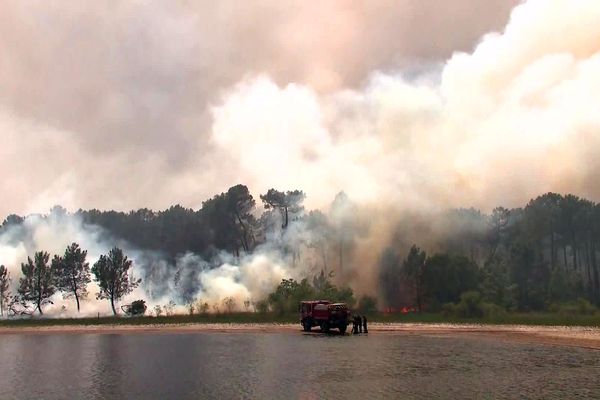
(39, 290)
(588, 270)
(552, 251)
(77, 300)
(112, 304)
(596, 277)
(244, 235)
(74, 287)
(586, 253)
(419, 281)
(575, 263)
(418, 295)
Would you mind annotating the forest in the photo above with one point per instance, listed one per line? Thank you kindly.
(540, 257)
(534, 258)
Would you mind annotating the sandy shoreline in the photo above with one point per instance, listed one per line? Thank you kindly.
(588, 337)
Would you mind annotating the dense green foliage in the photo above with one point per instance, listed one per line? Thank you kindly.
(289, 293)
(225, 222)
(286, 203)
(367, 305)
(528, 259)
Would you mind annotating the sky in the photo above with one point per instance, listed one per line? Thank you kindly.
(122, 105)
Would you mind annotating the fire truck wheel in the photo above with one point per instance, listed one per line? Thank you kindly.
(325, 326)
(306, 325)
(343, 329)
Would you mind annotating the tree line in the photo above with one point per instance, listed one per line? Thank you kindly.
(69, 274)
(531, 258)
(525, 258)
(226, 222)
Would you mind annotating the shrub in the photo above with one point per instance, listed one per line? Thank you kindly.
(137, 307)
(568, 309)
(157, 310)
(580, 307)
(492, 311)
(262, 306)
(367, 305)
(470, 305)
(584, 307)
(449, 310)
(554, 307)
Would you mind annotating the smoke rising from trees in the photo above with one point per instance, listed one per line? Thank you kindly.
(409, 131)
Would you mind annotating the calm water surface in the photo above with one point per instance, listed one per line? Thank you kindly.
(289, 366)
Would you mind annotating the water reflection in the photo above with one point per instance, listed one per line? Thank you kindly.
(289, 366)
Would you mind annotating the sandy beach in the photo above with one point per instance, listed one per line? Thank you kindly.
(586, 337)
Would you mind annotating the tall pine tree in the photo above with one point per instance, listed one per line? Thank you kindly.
(72, 273)
(112, 274)
(37, 284)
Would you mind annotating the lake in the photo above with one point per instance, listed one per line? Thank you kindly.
(289, 366)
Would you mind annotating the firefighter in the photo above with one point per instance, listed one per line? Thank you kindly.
(358, 322)
(355, 324)
(364, 323)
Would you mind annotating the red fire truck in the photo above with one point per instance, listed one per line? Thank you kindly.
(324, 314)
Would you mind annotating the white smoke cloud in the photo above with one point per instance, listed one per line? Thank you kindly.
(513, 118)
(247, 278)
(100, 96)
(508, 121)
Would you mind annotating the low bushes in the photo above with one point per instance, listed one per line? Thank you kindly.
(579, 307)
(472, 306)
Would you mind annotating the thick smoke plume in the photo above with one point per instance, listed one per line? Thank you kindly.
(512, 119)
(96, 97)
(189, 279)
(405, 131)
(250, 277)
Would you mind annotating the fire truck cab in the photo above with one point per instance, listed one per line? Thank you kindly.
(324, 314)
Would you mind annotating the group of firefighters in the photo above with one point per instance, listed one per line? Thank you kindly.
(359, 325)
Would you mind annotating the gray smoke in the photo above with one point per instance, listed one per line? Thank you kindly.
(99, 108)
(188, 279)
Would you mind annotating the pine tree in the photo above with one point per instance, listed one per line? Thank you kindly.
(37, 284)
(72, 273)
(4, 288)
(112, 274)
